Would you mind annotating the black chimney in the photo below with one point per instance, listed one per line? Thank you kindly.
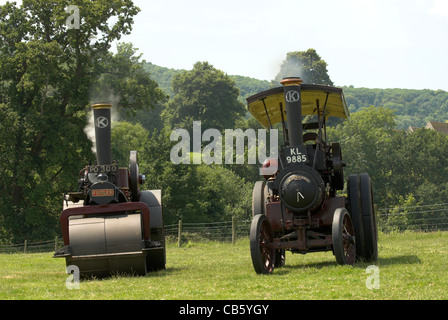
(102, 119)
(293, 108)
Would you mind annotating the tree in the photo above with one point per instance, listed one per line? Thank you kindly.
(403, 166)
(206, 94)
(47, 71)
(193, 193)
(126, 137)
(423, 163)
(307, 65)
(367, 143)
(398, 218)
(411, 107)
(363, 137)
(124, 81)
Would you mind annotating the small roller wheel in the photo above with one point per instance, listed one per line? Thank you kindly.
(261, 237)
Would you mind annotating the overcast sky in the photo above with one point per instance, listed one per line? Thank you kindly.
(366, 43)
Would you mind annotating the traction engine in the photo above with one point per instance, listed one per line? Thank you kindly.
(296, 207)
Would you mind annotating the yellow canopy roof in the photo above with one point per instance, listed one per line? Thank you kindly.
(310, 93)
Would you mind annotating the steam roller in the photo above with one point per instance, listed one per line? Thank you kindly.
(110, 226)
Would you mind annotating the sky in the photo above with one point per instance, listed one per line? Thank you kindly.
(366, 43)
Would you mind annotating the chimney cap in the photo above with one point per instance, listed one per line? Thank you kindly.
(290, 81)
(101, 106)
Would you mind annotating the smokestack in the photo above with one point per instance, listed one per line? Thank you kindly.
(293, 107)
(102, 120)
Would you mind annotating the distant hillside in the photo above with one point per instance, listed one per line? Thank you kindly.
(412, 107)
(163, 76)
(248, 86)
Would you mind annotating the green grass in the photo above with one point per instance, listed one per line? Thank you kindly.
(411, 266)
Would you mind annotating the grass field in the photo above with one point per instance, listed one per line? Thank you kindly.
(410, 265)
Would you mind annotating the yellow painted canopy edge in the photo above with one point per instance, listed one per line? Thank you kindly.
(310, 94)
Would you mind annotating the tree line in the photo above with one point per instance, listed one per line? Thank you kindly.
(411, 107)
(407, 169)
(49, 76)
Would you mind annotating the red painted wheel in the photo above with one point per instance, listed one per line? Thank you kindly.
(261, 236)
(343, 234)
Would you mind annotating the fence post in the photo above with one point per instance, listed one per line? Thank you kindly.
(233, 229)
(24, 246)
(179, 235)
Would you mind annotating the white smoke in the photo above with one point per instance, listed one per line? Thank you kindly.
(89, 130)
(290, 68)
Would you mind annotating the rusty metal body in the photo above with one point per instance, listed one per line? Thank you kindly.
(109, 226)
(309, 233)
(297, 207)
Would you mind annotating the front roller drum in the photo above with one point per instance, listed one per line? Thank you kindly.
(107, 245)
(261, 238)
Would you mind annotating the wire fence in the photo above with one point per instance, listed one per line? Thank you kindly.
(227, 231)
(423, 218)
(31, 247)
(418, 218)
